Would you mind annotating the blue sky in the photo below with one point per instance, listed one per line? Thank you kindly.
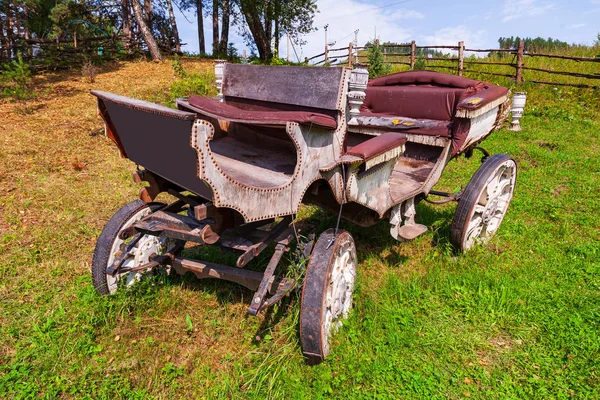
(478, 23)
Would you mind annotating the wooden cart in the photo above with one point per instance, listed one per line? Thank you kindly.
(239, 166)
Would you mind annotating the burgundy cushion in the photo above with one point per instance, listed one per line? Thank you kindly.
(378, 145)
(429, 102)
(218, 109)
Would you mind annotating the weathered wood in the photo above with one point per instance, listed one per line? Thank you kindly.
(302, 86)
(579, 85)
(438, 47)
(492, 50)
(461, 57)
(519, 73)
(412, 55)
(575, 74)
(350, 54)
(574, 58)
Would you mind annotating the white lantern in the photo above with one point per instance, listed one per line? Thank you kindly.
(518, 105)
(219, 72)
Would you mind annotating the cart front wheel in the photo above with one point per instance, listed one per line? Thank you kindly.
(109, 246)
(327, 292)
(484, 202)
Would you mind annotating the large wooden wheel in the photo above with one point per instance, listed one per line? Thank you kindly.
(327, 292)
(109, 246)
(484, 202)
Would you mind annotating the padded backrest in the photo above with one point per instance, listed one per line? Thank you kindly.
(415, 101)
(315, 87)
(425, 78)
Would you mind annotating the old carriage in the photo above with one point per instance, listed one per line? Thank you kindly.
(240, 165)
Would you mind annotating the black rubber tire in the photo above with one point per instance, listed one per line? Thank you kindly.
(312, 309)
(107, 237)
(470, 196)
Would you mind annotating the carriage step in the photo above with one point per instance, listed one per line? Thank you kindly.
(409, 232)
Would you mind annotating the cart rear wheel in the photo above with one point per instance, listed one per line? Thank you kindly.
(484, 202)
(109, 246)
(327, 292)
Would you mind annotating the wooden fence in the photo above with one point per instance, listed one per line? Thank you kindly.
(349, 55)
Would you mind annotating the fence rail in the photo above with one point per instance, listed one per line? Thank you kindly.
(518, 61)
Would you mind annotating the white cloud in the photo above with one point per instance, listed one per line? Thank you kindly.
(575, 26)
(344, 17)
(452, 35)
(515, 9)
(403, 14)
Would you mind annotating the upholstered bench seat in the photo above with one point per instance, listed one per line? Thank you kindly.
(427, 103)
(219, 110)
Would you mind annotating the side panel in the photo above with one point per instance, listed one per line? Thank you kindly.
(481, 126)
(159, 143)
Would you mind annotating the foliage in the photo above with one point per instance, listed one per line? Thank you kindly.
(420, 64)
(15, 79)
(189, 83)
(377, 65)
(266, 21)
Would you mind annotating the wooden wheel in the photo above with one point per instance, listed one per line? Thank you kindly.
(327, 292)
(484, 202)
(109, 246)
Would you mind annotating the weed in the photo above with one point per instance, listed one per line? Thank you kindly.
(89, 70)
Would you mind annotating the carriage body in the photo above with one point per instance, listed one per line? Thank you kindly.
(240, 165)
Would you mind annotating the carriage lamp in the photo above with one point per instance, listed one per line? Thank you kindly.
(518, 104)
(359, 77)
(219, 71)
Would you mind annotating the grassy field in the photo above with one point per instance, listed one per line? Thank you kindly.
(518, 318)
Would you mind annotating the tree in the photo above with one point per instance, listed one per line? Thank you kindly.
(146, 31)
(225, 13)
(215, 27)
(173, 24)
(268, 19)
(200, 14)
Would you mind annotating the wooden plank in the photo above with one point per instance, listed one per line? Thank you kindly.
(576, 74)
(317, 87)
(574, 58)
(461, 57)
(520, 61)
(579, 85)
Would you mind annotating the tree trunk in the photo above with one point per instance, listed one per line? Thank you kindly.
(145, 30)
(173, 23)
(253, 20)
(148, 13)
(215, 32)
(225, 27)
(200, 14)
(126, 19)
(276, 32)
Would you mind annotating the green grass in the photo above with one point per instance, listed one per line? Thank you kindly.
(518, 318)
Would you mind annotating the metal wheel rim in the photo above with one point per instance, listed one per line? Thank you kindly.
(491, 205)
(139, 255)
(339, 290)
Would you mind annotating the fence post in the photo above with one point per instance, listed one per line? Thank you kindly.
(461, 58)
(384, 54)
(350, 48)
(520, 51)
(412, 54)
